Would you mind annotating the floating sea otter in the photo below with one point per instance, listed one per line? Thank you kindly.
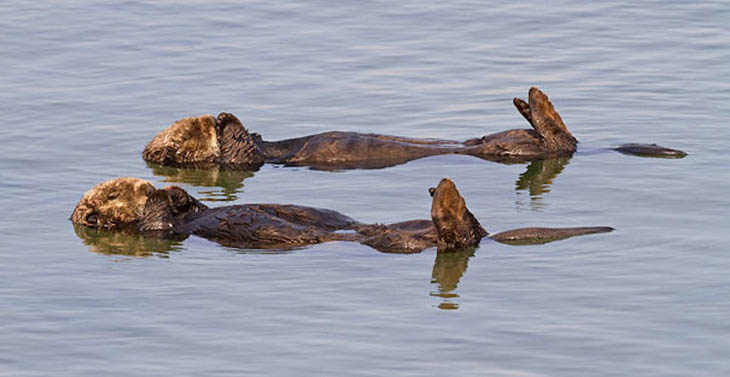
(132, 203)
(202, 140)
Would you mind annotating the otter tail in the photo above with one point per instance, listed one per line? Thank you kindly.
(534, 236)
(650, 150)
(456, 227)
(543, 117)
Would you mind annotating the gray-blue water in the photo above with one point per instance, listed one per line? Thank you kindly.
(85, 84)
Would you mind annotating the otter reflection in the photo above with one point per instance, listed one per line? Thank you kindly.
(448, 268)
(126, 242)
(539, 175)
(230, 182)
(538, 178)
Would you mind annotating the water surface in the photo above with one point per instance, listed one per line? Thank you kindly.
(86, 84)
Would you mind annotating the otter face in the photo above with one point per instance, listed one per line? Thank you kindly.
(113, 203)
(456, 227)
(187, 141)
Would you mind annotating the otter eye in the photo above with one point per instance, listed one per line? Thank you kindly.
(431, 191)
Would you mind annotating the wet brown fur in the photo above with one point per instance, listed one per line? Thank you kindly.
(173, 212)
(548, 138)
(237, 149)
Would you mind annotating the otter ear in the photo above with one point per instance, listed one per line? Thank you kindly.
(239, 150)
(456, 227)
(157, 213)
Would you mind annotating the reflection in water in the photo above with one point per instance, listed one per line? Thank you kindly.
(230, 182)
(448, 268)
(538, 177)
(129, 242)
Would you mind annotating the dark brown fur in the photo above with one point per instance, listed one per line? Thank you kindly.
(548, 138)
(237, 149)
(188, 142)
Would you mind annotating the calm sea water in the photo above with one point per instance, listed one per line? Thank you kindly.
(85, 84)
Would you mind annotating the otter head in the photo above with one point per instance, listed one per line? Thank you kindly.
(456, 227)
(203, 140)
(187, 141)
(113, 203)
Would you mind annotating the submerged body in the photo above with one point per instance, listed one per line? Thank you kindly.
(351, 150)
(224, 141)
(172, 212)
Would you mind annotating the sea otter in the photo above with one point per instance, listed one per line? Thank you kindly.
(222, 140)
(129, 203)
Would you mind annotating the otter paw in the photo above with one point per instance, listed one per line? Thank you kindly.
(225, 118)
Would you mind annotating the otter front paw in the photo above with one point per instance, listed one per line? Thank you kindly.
(225, 118)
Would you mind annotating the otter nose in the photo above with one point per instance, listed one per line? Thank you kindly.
(92, 219)
(431, 191)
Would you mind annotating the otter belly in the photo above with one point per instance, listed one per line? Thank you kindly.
(266, 225)
(344, 147)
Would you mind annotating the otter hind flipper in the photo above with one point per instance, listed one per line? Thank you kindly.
(456, 226)
(524, 109)
(547, 122)
(536, 236)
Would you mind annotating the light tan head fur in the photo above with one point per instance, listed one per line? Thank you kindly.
(189, 140)
(113, 203)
